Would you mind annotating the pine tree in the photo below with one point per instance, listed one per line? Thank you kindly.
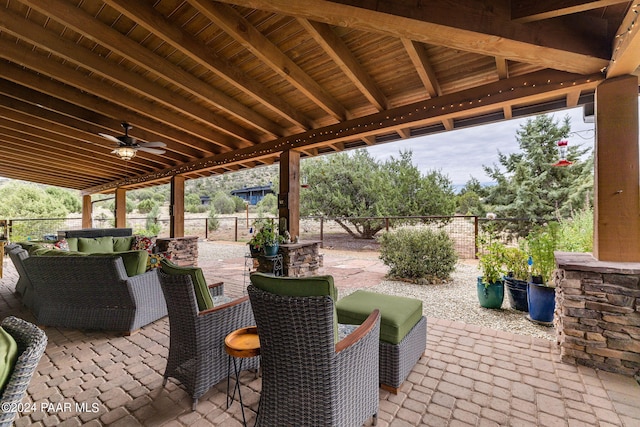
(529, 186)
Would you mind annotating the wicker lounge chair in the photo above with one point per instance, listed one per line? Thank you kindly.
(308, 379)
(31, 344)
(197, 357)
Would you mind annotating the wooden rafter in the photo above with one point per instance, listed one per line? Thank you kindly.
(240, 29)
(420, 60)
(85, 24)
(558, 49)
(524, 11)
(626, 45)
(342, 56)
(157, 24)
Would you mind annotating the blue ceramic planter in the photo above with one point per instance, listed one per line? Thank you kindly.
(542, 302)
(490, 296)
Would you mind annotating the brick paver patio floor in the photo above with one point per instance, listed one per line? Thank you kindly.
(468, 376)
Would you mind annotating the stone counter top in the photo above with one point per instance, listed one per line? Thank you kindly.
(581, 261)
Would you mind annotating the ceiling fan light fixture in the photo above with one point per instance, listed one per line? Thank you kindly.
(125, 153)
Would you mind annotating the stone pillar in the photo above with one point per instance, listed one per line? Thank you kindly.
(182, 251)
(617, 171)
(598, 313)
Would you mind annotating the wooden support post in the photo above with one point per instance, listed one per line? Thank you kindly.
(617, 171)
(121, 208)
(87, 211)
(289, 196)
(176, 208)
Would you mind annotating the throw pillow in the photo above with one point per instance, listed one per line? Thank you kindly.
(154, 260)
(121, 244)
(95, 244)
(62, 245)
(143, 243)
(8, 357)
(200, 288)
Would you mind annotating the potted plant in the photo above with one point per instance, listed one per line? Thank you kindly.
(541, 243)
(266, 239)
(490, 286)
(515, 264)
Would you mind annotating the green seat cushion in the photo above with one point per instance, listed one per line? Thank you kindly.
(397, 314)
(95, 244)
(121, 244)
(8, 357)
(54, 252)
(135, 262)
(313, 286)
(203, 297)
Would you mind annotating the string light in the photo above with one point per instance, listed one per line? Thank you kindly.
(621, 36)
(341, 129)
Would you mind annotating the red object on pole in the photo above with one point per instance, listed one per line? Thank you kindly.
(562, 149)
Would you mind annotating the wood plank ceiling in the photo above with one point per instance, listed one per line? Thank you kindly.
(230, 85)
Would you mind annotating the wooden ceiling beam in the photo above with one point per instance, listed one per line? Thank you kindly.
(145, 128)
(74, 78)
(26, 174)
(86, 25)
(418, 55)
(523, 11)
(145, 15)
(236, 26)
(342, 56)
(76, 140)
(626, 45)
(502, 67)
(446, 24)
(85, 162)
(41, 100)
(530, 89)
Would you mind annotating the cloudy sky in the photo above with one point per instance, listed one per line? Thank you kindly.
(460, 154)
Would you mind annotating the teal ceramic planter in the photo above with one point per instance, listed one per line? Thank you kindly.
(271, 250)
(490, 296)
(542, 303)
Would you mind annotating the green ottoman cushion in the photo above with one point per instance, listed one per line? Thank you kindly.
(397, 314)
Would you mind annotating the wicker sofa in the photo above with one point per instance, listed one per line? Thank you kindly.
(89, 291)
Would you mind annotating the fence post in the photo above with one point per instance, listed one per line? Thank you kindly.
(475, 237)
(206, 228)
(322, 231)
(10, 230)
(386, 223)
(236, 227)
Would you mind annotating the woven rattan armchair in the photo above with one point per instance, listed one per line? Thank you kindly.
(308, 379)
(31, 342)
(197, 357)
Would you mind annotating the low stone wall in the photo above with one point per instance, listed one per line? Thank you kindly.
(301, 259)
(598, 313)
(181, 250)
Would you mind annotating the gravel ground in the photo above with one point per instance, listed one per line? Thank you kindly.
(456, 300)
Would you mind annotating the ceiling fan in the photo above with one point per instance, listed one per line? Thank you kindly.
(128, 145)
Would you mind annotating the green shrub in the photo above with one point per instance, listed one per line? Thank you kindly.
(241, 205)
(214, 223)
(268, 205)
(415, 254)
(576, 233)
(223, 203)
(146, 206)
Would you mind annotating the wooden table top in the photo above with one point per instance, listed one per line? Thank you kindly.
(243, 342)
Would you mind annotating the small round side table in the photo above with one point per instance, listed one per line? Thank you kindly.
(240, 344)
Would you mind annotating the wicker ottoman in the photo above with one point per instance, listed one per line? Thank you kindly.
(403, 331)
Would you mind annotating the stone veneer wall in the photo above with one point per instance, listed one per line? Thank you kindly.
(301, 259)
(181, 250)
(598, 313)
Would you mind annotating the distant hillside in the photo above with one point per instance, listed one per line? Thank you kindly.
(262, 175)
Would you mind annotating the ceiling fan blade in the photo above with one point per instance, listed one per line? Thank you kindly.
(109, 137)
(151, 150)
(155, 144)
